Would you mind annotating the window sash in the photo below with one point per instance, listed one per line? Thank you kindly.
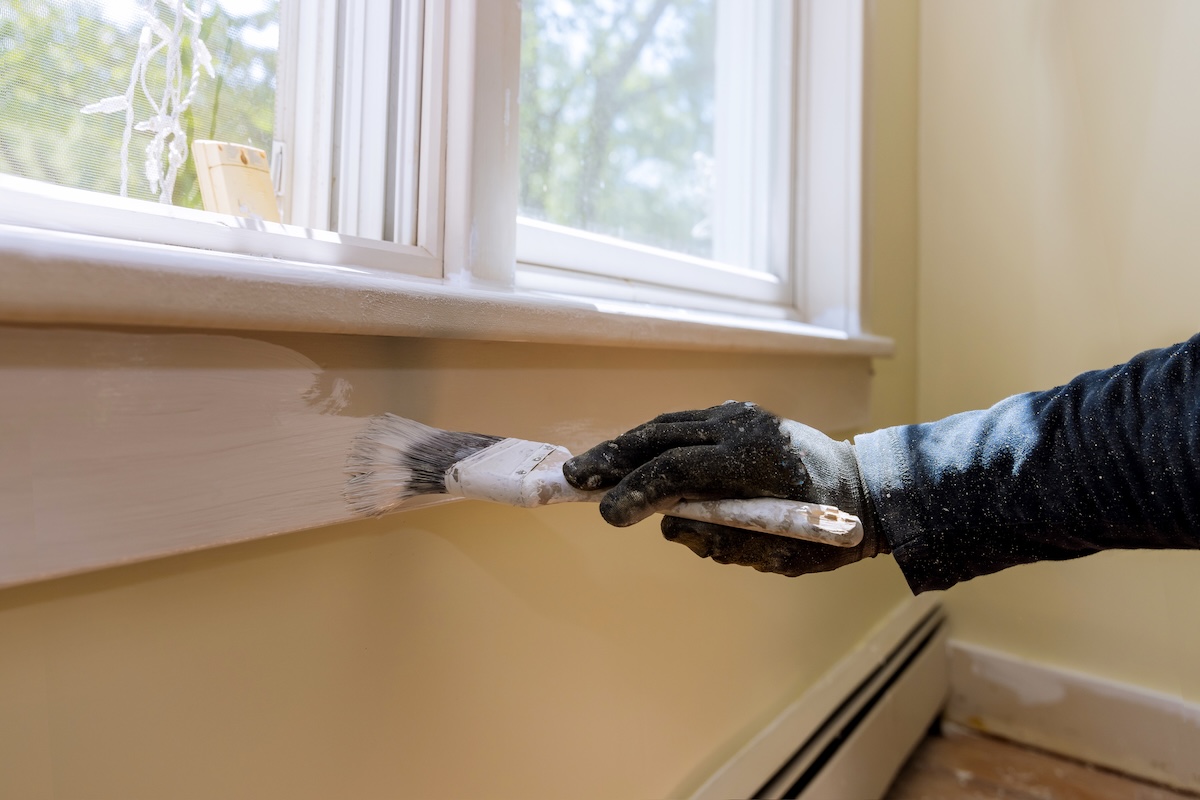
(308, 155)
(547, 245)
(756, 98)
(753, 204)
(363, 144)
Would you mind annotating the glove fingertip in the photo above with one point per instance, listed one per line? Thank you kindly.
(624, 508)
(581, 473)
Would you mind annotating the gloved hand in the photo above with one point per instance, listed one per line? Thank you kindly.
(734, 450)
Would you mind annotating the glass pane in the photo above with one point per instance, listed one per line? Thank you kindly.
(58, 56)
(617, 109)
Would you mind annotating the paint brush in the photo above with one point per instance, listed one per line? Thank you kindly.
(395, 459)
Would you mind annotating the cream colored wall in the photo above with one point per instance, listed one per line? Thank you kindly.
(890, 204)
(1059, 193)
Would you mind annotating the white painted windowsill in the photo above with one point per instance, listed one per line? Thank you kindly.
(69, 278)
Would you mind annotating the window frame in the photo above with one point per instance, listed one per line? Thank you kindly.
(464, 259)
(818, 151)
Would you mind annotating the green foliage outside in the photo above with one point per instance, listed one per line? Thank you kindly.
(617, 118)
(616, 107)
(57, 57)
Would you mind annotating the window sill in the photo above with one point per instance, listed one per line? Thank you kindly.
(62, 278)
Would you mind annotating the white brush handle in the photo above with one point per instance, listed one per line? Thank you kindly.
(517, 472)
(792, 518)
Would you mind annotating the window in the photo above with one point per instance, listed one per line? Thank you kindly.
(58, 57)
(332, 91)
(664, 124)
(690, 162)
(779, 153)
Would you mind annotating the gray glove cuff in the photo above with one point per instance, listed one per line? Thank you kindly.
(834, 478)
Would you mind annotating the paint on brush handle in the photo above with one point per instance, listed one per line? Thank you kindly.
(791, 518)
(528, 474)
(516, 472)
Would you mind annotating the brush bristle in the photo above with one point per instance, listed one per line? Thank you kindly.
(396, 458)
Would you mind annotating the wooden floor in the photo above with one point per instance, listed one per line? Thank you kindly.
(956, 764)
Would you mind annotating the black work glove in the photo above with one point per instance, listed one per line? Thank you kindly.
(735, 450)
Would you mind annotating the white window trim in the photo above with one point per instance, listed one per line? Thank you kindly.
(81, 258)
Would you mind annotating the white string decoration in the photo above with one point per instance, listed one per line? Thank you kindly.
(168, 137)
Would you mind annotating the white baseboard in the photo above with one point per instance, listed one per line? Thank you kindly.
(849, 734)
(1123, 727)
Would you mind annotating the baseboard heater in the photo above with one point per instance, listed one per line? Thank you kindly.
(849, 735)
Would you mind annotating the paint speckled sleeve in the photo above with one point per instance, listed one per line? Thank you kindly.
(1110, 460)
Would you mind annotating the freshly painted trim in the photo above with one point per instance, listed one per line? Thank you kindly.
(118, 447)
(52, 277)
(1116, 725)
(804, 721)
(121, 446)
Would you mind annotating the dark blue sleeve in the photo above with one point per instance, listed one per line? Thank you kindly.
(1111, 460)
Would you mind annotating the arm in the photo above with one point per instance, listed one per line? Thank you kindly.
(1110, 460)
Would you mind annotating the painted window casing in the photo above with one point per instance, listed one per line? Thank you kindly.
(465, 251)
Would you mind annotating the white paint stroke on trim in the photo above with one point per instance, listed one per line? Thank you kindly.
(1120, 726)
(117, 447)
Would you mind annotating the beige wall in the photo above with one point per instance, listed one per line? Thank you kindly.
(1059, 197)
(890, 203)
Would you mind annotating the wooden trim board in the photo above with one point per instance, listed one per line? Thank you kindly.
(1126, 728)
(120, 446)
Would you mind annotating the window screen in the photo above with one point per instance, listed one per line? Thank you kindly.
(58, 56)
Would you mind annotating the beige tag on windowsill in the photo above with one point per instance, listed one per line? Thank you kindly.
(235, 179)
